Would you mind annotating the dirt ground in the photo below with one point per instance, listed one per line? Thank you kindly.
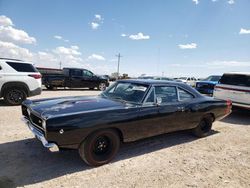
(172, 160)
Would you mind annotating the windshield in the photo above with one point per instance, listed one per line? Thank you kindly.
(126, 92)
(213, 78)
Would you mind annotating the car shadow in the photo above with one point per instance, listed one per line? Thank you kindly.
(26, 162)
(238, 116)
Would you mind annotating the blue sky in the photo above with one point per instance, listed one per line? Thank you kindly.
(170, 37)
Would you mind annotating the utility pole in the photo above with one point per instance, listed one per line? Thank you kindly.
(60, 65)
(118, 65)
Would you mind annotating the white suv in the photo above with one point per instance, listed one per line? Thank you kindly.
(234, 86)
(18, 80)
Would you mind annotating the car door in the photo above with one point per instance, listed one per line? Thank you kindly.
(89, 79)
(170, 109)
(76, 78)
(188, 108)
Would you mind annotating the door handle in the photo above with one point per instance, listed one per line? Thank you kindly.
(180, 109)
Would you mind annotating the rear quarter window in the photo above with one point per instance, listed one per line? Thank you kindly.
(22, 67)
(235, 79)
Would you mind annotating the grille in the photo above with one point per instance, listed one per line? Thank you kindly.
(36, 120)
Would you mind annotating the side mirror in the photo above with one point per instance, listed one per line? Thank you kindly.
(158, 100)
(0, 68)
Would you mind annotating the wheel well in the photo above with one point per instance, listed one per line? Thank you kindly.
(211, 115)
(118, 131)
(16, 85)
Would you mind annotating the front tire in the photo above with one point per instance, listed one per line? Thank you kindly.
(14, 96)
(100, 147)
(204, 127)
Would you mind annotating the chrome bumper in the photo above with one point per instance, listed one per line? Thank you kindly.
(40, 136)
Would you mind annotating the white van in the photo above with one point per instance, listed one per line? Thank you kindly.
(234, 86)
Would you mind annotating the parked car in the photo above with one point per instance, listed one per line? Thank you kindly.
(188, 80)
(236, 87)
(74, 78)
(128, 110)
(18, 80)
(206, 86)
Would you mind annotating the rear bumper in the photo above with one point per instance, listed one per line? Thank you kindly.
(37, 91)
(40, 136)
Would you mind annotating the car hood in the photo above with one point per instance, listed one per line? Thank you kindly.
(47, 108)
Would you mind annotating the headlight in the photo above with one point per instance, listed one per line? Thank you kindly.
(44, 124)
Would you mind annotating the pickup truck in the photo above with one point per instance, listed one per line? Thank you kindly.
(73, 78)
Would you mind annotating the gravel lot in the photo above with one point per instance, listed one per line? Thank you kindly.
(172, 160)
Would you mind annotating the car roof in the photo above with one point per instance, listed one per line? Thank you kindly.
(157, 82)
(241, 73)
(16, 61)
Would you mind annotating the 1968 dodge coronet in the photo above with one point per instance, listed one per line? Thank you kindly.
(127, 111)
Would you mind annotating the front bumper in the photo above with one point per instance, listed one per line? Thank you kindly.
(40, 136)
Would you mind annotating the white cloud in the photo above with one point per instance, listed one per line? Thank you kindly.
(123, 35)
(98, 17)
(9, 34)
(139, 36)
(73, 50)
(196, 1)
(5, 21)
(96, 57)
(10, 50)
(230, 2)
(188, 46)
(58, 37)
(97, 21)
(95, 25)
(244, 31)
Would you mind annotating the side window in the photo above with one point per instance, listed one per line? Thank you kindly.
(22, 67)
(166, 94)
(184, 95)
(87, 73)
(76, 72)
(151, 97)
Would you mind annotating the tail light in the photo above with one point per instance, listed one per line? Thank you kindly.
(36, 76)
(229, 106)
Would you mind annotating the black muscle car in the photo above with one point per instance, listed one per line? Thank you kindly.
(127, 111)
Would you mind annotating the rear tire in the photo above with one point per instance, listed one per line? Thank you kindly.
(204, 127)
(100, 147)
(14, 96)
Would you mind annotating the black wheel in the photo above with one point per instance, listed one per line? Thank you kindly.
(14, 96)
(204, 127)
(100, 147)
(102, 86)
